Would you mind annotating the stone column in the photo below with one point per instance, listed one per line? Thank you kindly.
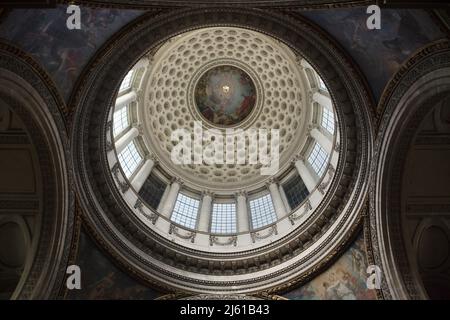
(305, 64)
(132, 133)
(205, 211)
(143, 63)
(323, 100)
(169, 202)
(309, 179)
(242, 212)
(163, 198)
(143, 172)
(276, 199)
(324, 140)
(125, 100)
(284, 198)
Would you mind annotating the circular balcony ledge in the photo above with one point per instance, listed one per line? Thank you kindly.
(160, 261)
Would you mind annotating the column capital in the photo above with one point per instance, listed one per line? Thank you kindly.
(337, 146)
(272, 181)
(176, 180)
(140, 96)
(310, 96)
(208, 193)
(298, 157)
(241, 193)
(144, 62)
(311, 127)
(139, 127)
(304, 63)
(152, 156)
(298, 61)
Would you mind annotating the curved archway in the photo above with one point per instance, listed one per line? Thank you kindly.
(397, 231)
(32, 110)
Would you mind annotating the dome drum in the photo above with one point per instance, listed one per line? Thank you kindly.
(274, 256)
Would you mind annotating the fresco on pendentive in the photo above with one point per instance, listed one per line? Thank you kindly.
(102, 280)
(63, 52)
(379, 53)
(344, 280)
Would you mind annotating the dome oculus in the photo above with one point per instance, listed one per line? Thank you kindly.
(225, 95)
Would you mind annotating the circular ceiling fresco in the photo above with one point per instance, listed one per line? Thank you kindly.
(224, 77)
(225, 95)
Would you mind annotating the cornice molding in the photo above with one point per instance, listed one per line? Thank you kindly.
(174, 4)
(43, 115)
(405, 68)
(104, 205)
(397, 127)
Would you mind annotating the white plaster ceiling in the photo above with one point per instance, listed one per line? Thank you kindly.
(168, 102)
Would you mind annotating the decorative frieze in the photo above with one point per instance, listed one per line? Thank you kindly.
(325, 183)
(123, 185)
(296, 216)
(153, 216)
(272, 230)
(229, 241)
(186, 235)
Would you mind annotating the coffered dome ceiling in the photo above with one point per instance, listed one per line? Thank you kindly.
(267, 89)
(222, 227)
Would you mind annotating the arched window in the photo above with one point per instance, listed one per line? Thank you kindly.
(152, 191)
(185, 211)
(318, 159)
(322, 85)
(262, 211)
(328, 120)
(296, 191)
(120, 121)
(126, 82)
(129, 159)
(223, 218)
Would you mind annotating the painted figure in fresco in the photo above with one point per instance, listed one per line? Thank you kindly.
(225, 95)
(397, 39)
(63, 52)
(99, 289)
(339, 289)
(358, 262)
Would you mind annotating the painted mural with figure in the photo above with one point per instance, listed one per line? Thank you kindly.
(101, 279)
(225, 95)
(344, 280)
(379, 53)
(66, 52)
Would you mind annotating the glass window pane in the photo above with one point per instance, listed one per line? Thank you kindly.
(129, 159)
(318, 159)
(120, 120)
(328, 120)
(152, 191)
(295, 191)
(126, 82)
(262, 211)
(185, 211)
(223, 218)
(322, 85)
